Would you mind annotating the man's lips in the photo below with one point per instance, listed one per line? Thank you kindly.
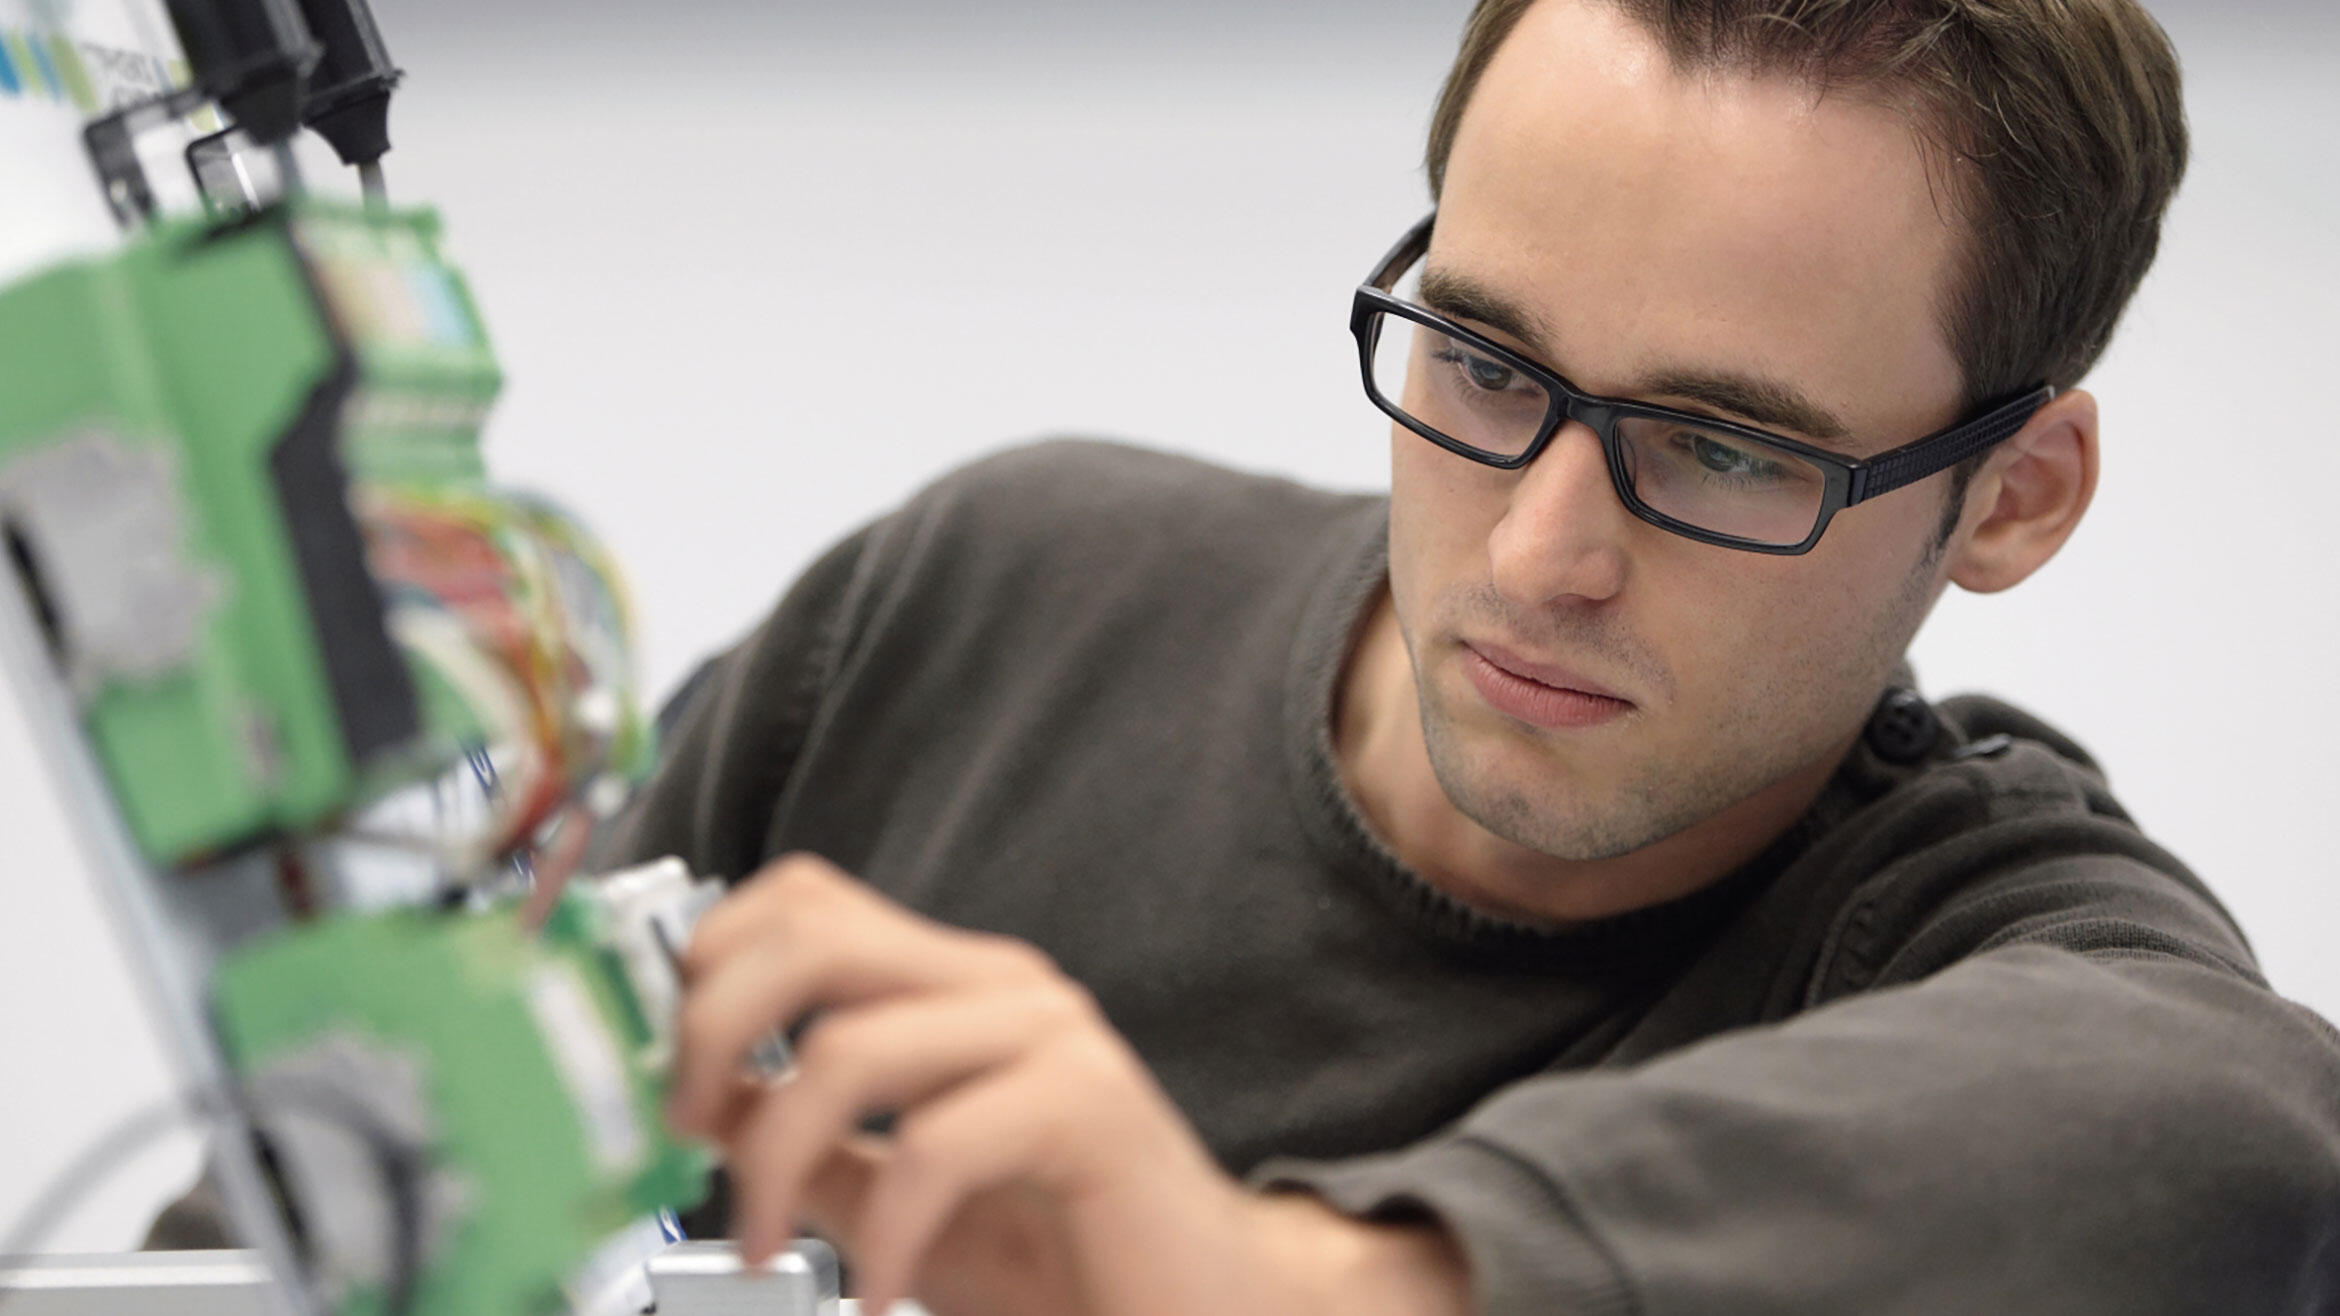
(1551, 674)
(1541, 694)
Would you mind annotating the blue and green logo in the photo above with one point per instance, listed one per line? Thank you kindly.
(91, 78)
(38, 64)
(28, 71)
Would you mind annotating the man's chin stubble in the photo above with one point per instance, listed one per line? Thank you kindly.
(1575, 831)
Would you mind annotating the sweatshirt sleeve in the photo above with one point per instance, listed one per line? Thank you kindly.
(731, 734)
(2034, 1128)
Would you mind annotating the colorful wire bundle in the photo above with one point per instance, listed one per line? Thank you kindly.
(525, 620)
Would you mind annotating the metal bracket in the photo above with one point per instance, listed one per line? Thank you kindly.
(174, 965)
(112, 143)
(688, 1279)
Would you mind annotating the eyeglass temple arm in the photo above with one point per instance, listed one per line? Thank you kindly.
(1408, 250)
(1906, 465)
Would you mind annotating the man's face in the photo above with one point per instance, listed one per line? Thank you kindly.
(1657, 228)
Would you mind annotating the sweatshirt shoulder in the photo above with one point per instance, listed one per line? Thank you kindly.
(1107, 488)
(2010, 836)
(1092, 514)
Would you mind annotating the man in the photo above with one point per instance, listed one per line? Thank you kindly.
(1539, 891)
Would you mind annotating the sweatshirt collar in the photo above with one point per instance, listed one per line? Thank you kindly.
(1351, 572)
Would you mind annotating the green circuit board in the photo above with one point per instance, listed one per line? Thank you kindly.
(211, 394)
(241, 485)
(535, 1075)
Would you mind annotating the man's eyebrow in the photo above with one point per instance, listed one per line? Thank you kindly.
(1757, 400)
(1460, 297)
(1765, 402)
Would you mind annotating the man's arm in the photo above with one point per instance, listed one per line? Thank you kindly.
(2035, 1128)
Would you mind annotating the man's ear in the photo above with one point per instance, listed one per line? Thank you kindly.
(2029, 497)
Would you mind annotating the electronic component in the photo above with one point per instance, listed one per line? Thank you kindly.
(97, 527)
(353, 1133)
(215, 349)
(241, 390)
(336, 715)
(240, 484)
(513, 1072)
(644, 916)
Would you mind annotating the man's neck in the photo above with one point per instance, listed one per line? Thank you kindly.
(1385, 764)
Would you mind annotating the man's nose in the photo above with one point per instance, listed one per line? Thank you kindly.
(1563, 535)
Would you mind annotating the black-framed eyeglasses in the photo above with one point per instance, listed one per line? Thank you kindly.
(1711, 480)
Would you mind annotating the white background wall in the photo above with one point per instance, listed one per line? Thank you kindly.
(758, 273)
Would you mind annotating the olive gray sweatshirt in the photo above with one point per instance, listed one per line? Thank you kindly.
(1962, 1040)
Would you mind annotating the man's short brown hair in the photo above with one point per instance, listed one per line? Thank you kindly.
(2056, 127)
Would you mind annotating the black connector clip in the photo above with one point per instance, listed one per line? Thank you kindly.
(349, 95)
(252, 56)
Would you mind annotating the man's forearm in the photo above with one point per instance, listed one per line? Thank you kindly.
(1349, 1267)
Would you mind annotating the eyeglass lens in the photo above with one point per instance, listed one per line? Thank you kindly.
(1715, 480)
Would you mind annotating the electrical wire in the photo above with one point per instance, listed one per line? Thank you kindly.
(483, 769)
(103, 1158)
(371, 183)
(529, 625)
(401, 1167)
(288, 168)
(453, 606)
(527, 621)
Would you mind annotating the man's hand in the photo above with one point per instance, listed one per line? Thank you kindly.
(1033, 1168)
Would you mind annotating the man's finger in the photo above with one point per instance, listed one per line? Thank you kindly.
(800, 882)
(839, 1186)
(860, 955)
(874, 1059)
(986, 1133)
(725, 1014)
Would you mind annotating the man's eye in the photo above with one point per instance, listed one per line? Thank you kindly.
(1493, 376)
(1723, 459)
(1483, 372)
